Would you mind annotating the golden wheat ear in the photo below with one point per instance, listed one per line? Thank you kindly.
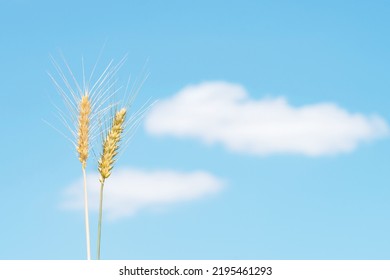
(83, 129)
(111, 145)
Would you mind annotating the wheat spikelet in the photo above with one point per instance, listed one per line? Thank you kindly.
(83, 129)
(111, 145)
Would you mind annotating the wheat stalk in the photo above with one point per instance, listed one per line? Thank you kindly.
(82, 149)
(87, 234)
(107, 160)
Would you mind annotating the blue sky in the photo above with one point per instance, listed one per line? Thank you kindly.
(215, 183)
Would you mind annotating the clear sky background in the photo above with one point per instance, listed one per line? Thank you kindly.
(269, 139)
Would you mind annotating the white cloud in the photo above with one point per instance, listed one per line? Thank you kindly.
(221, 112)
(129, 190)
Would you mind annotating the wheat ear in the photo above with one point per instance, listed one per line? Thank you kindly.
(107, 160)
(83, 130)
(82, 149)
(111, 145)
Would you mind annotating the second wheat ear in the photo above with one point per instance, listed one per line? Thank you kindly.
(111, 145)
(107, 160)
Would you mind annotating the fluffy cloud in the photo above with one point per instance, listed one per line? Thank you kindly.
(220, 112)
(129, 190)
